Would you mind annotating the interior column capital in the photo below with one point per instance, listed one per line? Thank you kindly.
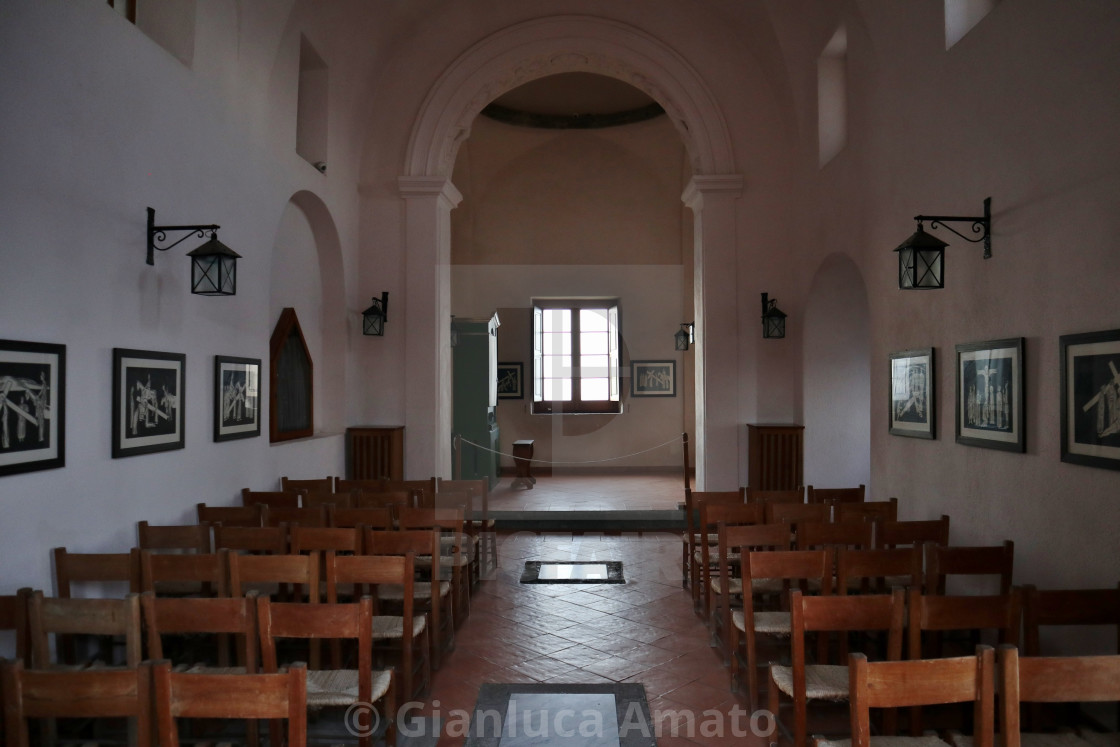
(429, 186)
(700, 185)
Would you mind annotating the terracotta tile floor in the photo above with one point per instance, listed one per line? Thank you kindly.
(642, 631)
(660, 491)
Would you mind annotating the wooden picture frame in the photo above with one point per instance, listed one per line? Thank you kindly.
(511, 380)
(653, 378)
(237, 398)
(1090, 404)
(148, 401)
(913, 407)
(990, 401)
(32, 406)
(291, 381)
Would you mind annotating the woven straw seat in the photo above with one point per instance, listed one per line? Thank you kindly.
(822, 681)
(339, 687)
(422, 590)
(758, 586)
(771, 623)
(392, 626)
(1096, 738)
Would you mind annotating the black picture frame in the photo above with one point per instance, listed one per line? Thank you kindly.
(1090, 404)
(149, 389)
(653, 378)
(237, 397)
(511, 380)
(990, 400)
(32, 406)
(912, 394)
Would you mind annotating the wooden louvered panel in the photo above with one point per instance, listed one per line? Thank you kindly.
(374, 453)
(775, 456)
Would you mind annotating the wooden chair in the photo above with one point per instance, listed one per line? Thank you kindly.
(1044, 679)
(254, 540)
(13, 617)
(1047, 607)
(383, 499)
(374, 518)
(944, 561)
(220, 617)
(431, 597)
(192, 538)
(335, 500)
(179, 695)
(342, 485)
(796, 513)
(749, 623)
(479, 522)
(292, 577)
(897, 684)
(335, 687)
(775, 496)
(423, 491)
(727, 587)
(318, 516)
(868, 511)
(833, 496)
(813, 535)
(878, 571)
(185, 575)
(803, 680)
(711, 516)
(693, 537)
(88, 693)
(315, 485)
(120, 568)
(457, 565)
(270, 498)
(408, 633)
(890, 534)
(229, 516)
(103, 618)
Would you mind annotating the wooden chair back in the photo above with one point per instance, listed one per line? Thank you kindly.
(796, 495)
(422, 491)
(180, 695)
(868, 511)
(460, 499)
(342, 485)
(712, 514)
(326, 539)
(1045, 679)
(813, 535)
(99, 693)
(989, 560)
(895, 684)
(733, 541)
(308, 517)
(217, 616)
(13, 617)
(836, 495)
(185, 575)
(177, 537)
(314, 485)
(1047, 607)
(271, 498)
(479, 491)
(877, 570)
(255, 540)
(795, 513)
(899, 533)
(332, 622)
(105, 618)
(420, 543)
(695, 537)
(383, 499)
(337, 500)
(121, 568)
(937, 613)
(374, 518)
(269, 574)
(229, 516)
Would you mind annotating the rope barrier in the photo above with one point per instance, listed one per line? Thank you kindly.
(587, 461)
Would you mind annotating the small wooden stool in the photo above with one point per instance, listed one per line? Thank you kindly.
(522, 460)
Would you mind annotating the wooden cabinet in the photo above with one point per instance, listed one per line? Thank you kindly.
(775, 456)
(475, 393)
(375, 452)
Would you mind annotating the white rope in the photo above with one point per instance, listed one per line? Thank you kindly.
(587, 461)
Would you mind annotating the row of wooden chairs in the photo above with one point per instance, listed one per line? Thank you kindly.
(154, 697)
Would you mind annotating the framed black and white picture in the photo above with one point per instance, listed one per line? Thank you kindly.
(989, 407)
(1090, 410)
(653, 378)
(237, 398)
(148, 389)
(32, 406)
(912, 394)
(511, 380)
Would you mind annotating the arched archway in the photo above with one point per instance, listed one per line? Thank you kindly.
(495, 65)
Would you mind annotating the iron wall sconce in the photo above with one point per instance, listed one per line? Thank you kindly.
(213, 265)
(773, 319)
(685, 336)
(373, 318)
(921, 258)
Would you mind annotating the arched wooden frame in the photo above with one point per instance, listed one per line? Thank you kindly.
(291, 379)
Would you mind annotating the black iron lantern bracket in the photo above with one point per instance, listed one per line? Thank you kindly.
(980, 225)
(159, 234)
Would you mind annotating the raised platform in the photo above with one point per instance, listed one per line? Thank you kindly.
(588, 521)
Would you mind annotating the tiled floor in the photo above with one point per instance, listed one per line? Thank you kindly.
(642, 631)
(660, 491)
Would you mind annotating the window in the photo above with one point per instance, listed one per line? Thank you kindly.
(832, 97)
(290, 381)
(575, 356)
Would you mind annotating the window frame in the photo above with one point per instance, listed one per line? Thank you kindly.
(577, 406)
